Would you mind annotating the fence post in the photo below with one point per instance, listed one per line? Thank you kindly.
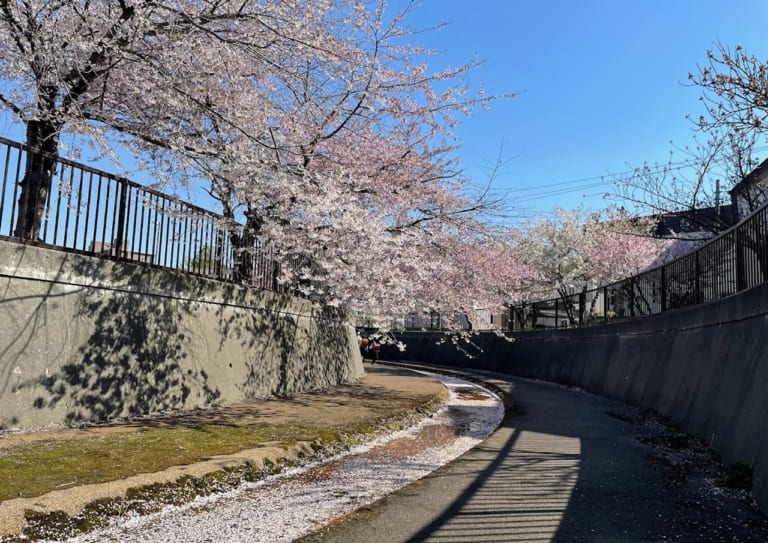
(663, 288)
(121, 219)
(557, 313)
(605, 304)
(218, 268)
(740, 279)
(696, 278)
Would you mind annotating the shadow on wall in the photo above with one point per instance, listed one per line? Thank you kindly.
(133, 360)
(22, 329)
(290, 347)
(91, 339)
(264, 336)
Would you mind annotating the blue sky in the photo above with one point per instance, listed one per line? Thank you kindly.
(602, 84)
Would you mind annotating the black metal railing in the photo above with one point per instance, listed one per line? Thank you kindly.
(90, 211)
(734, 261)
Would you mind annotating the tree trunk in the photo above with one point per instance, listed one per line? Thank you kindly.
(42, 154)
(244, 245)
(568, 305)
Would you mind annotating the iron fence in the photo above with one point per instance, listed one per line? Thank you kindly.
(94, 212)
(734, 261)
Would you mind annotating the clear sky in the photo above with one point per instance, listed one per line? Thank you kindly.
(602, 84)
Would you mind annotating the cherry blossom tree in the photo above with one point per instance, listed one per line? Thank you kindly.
(95, 67)
(617, 246)
(355, 164)
(168, 74)
(319, 123)
(572, 252)
(734, 88)
(53, 52)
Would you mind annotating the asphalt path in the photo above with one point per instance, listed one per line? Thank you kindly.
(568, 467)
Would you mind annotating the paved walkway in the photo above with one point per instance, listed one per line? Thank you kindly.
(565, 468)
(568, 467)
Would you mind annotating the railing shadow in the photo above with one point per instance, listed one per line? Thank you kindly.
(567, 469)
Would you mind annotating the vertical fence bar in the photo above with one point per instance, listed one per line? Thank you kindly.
(149, 207)
(58, 206)
(15, 192)
(126, 242)
(89, 188)
(77, 209)
(106, 211)
(111, 244)
(218, 259)
(155, 238)
(47, 210)
(145, 256)
(5, 184)
(184, 236)
(740, 280)
(697, 294)
(118, 241)
(70, 190)
(96, 214)
(175, 237)
(167, 238)
(132, 253)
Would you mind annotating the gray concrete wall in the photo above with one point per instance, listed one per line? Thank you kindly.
(83, 338)
(704, 367)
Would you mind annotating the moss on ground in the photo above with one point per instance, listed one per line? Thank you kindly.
(32, 470)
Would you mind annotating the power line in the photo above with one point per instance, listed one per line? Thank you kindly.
(602, 179)
(673, 166)
(560, 192)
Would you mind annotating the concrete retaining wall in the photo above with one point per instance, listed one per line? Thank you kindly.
(704, 367)
(83, 338)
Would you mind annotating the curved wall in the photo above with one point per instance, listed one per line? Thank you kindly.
(83, 338)
(705, 367)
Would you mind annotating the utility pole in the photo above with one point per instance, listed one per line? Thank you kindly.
(717, 198)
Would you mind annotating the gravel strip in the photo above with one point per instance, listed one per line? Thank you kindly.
(301, 500)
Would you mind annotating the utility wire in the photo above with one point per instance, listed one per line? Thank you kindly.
(540, 191)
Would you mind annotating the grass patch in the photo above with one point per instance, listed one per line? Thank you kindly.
(35, 467)
(86, 456)
(32, 470)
